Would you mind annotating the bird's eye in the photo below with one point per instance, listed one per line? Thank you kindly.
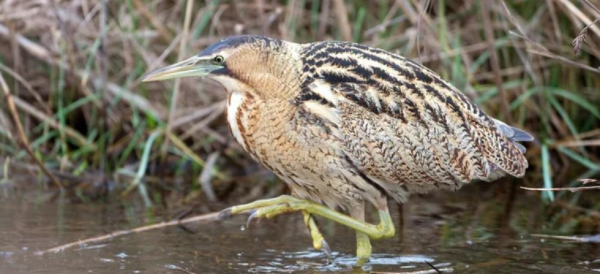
(219, 59)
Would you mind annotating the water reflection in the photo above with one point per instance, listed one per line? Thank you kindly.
(460, 233)
(282, 261)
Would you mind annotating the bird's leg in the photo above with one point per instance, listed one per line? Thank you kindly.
(319, 242)
(363, 243)
(285, 203)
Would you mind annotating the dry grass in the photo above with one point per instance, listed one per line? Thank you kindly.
(74, 66)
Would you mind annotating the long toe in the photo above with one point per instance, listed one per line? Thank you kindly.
(325, 248)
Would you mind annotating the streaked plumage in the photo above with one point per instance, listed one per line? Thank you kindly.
(343, 123)
(339, 122)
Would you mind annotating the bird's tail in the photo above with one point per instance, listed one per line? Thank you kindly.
(507, 156)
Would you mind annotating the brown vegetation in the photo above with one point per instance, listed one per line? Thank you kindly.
(73, 69)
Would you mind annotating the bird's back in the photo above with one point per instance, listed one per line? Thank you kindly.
(401, 124)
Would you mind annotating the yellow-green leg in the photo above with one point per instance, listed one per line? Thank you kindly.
(363, 248)
(271, 207)
(363, 243)
(319, 242)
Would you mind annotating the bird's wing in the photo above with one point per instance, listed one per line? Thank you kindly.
(400, 122)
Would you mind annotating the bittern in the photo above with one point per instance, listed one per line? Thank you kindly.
(344, 125)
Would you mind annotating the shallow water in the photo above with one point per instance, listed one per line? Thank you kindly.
(466, 231)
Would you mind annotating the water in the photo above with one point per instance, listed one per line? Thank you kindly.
(471, 231)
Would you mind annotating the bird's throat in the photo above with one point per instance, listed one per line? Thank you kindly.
(236, 117)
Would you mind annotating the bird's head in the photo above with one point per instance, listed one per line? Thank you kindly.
(238, 63)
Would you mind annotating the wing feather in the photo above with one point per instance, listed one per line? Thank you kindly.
(403, 125)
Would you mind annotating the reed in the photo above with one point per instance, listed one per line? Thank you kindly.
(73, 68)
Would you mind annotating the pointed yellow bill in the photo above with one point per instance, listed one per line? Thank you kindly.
(195, 66)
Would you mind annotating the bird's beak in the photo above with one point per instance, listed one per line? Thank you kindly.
(195, 66)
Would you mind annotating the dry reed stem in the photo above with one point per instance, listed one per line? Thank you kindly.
(190, 153)
(580, 15)
(323, 19)
(21, 133)
(582, 37)
(102, 67)
(596, 9)
(27, 86)
(199, 113)
(142, 35)
(549, 54)
(491, 42)
(6, 126)
(407, 8)
(578, 143)
(202, 124)
(182, 50)
(162, 31)
(341, 13)
(210, 217)
(384, 23)
(541, 50)
(554, 18)
(588, 181)
(43, 54)
(77, 137)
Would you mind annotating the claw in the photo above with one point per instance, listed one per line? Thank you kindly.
(252, 216)
(224, 214)
(325, 248)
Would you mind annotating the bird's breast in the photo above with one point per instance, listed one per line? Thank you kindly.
(262, 127)
(237, 116)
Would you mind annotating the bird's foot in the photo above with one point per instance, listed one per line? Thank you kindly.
(272, 207)
(319, 242)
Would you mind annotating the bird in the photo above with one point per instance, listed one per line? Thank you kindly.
(346, 126)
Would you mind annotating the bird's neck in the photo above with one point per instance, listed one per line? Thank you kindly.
(261, 105)
(253, 119)
(274, 75)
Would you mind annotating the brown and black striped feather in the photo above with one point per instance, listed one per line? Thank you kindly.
(402, 124)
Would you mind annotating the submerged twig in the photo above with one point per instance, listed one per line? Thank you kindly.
(202, 218)
(572, 189)
(588, 211)
(429, 271)
(433, 267)
(206, 176)
(583, 239)
(174, 267)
